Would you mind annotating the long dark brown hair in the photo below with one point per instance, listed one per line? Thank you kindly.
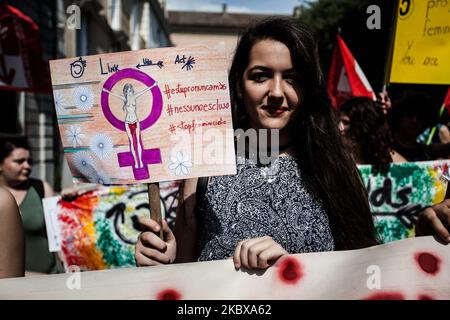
(328, 170)
(368, 133)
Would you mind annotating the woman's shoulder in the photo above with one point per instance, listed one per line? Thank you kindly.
(8, 204)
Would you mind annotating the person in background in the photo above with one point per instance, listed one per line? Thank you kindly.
(15, 170)
(444, 133)
(408, 118)
(366, 133)
(385, 102)
(12, 244)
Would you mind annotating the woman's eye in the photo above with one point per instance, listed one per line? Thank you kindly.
(259, 77)
(291, 78)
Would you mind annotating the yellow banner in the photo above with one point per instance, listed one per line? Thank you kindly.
(422, 42)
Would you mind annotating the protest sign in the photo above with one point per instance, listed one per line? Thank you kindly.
(398, 196)
(422, 42)
(416, 269)
(145, 116)
(98, 229)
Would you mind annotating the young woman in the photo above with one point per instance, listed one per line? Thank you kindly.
(315, 201)
(366, 133)
(15, 170)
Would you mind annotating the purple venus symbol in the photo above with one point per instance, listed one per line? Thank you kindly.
(149, 156)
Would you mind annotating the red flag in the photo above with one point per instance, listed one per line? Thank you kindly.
(21, 64)
(447, 100)
(346, 78)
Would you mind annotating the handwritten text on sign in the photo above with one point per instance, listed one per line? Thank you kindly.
(398, 196)
(422, 42)
(145, 116)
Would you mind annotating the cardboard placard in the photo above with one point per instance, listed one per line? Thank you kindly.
(422, 42)
(145, 116)
(398, 196)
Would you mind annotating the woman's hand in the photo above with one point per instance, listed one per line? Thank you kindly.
(150, 250)
(71, 194)
(257, 253)
(435, 220)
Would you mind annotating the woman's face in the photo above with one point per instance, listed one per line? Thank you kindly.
(17, 166)
(270, 89)
(344, 123)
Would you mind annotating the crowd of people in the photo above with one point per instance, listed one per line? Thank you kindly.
(314, 202)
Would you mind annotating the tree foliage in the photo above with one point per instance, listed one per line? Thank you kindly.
(368, 46)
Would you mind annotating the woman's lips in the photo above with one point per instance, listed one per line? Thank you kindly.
(275, 110)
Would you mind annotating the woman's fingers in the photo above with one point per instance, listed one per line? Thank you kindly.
(151, 240)
(257, 253)
(154, 255)
(143, 261)
(254, 251)
(168, 234)
(269, 256)
(237, 255)
(149, 224)
(439, 219)
(242, 250)
(444, 214)
(439, 228)
(430, 221)
(149, 250)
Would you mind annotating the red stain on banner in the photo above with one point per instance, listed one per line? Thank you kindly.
(168, 294)
(290, 270)
(386, 296)
(428, 262)
(425, 297)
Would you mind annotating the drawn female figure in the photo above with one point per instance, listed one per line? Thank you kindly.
(132, 125)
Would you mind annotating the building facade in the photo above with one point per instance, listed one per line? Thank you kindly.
(190, 28)
(69, 29)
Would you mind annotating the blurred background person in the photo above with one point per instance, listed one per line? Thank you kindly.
(408, 119)
(366, 133)
(12, 247)
(15, 170)
(385, 101)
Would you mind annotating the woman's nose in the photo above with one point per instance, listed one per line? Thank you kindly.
(27, 164)
(276, 90)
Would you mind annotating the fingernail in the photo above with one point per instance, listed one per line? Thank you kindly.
(448, 239)
(236, 265)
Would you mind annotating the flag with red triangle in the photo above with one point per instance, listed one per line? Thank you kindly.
(447, 101)
(346, 78)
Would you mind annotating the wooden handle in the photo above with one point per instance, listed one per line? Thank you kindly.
(155, 205)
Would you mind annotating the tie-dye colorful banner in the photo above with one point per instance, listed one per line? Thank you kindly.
(98, 230)
(398, 196)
